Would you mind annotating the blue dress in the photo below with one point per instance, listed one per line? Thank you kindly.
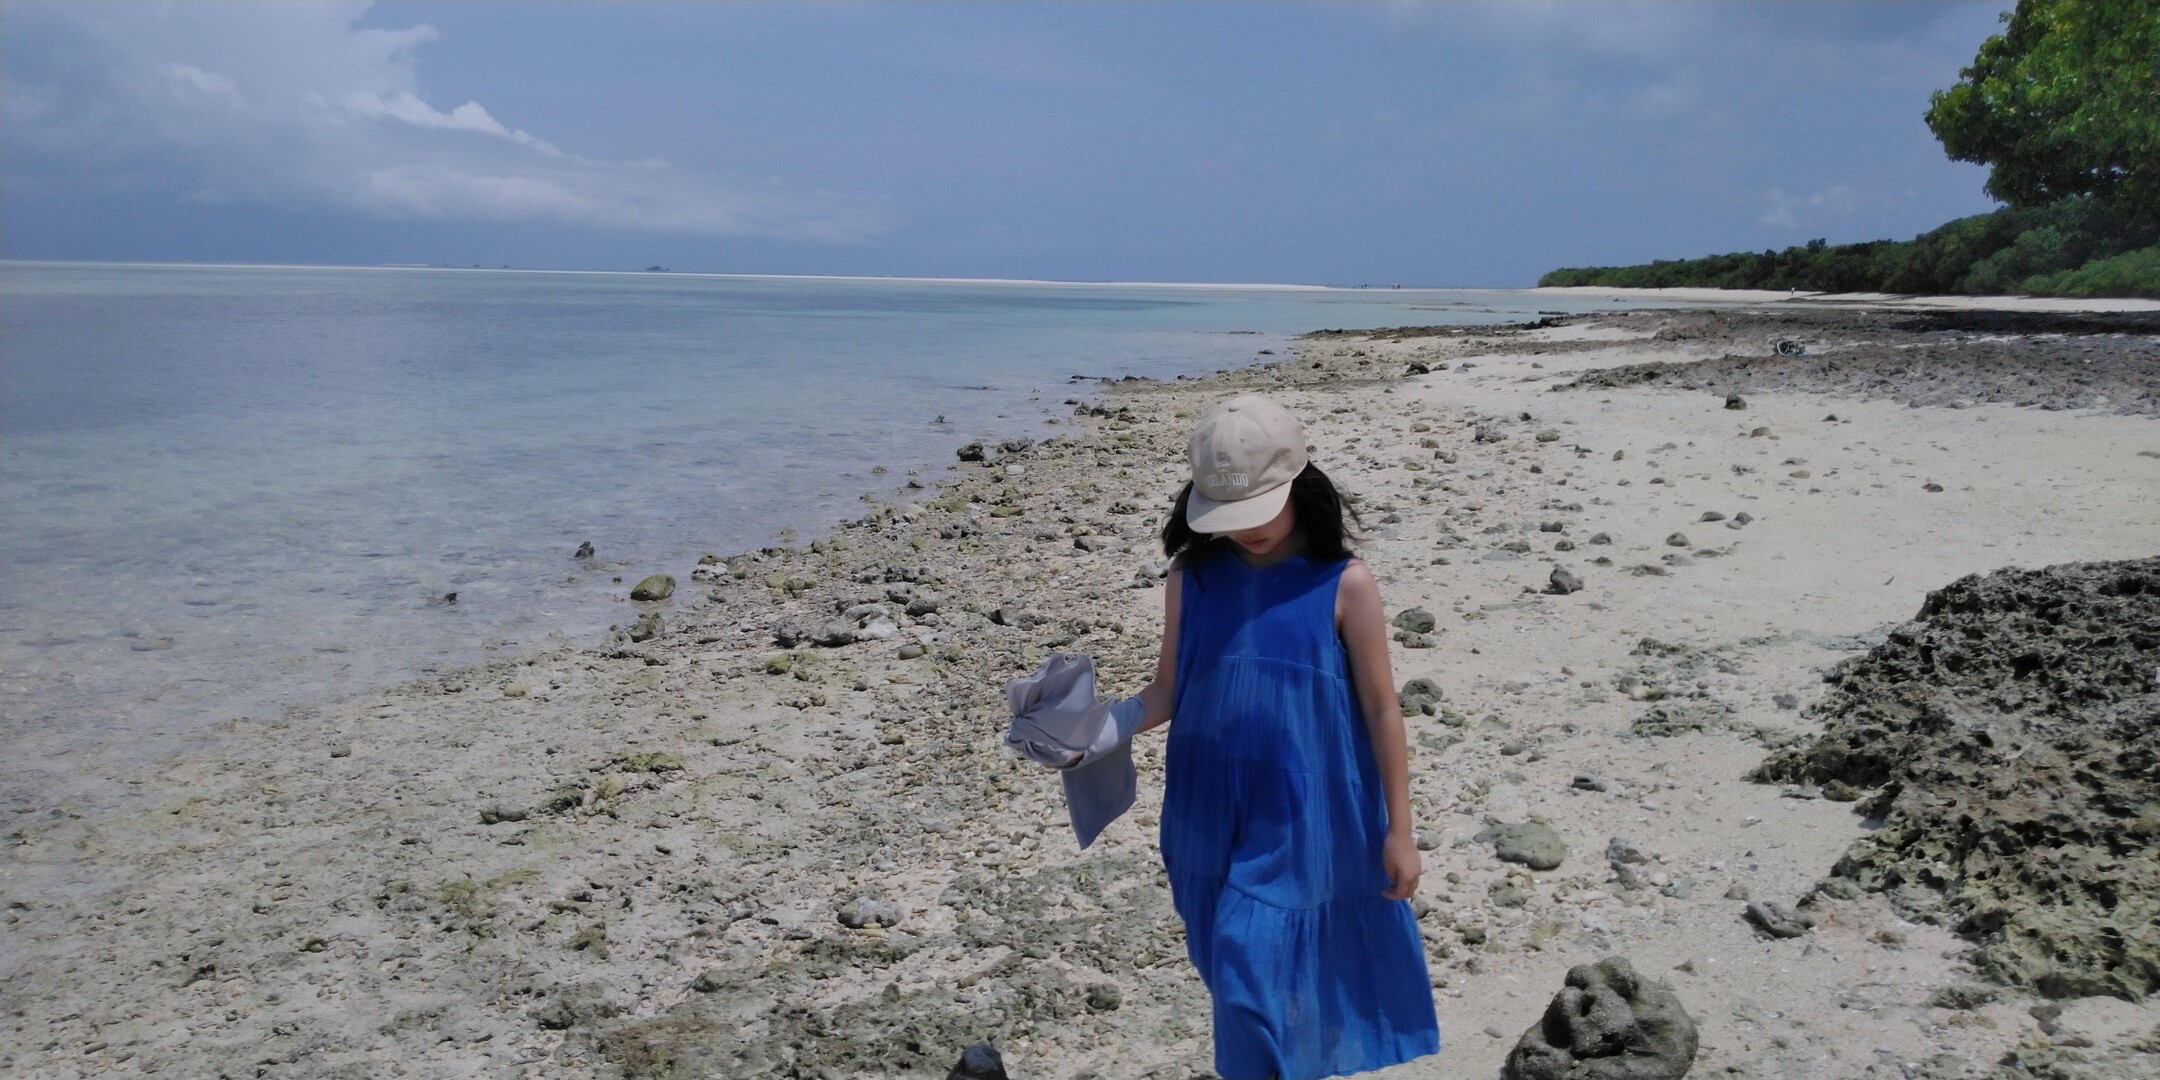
(1273, 817)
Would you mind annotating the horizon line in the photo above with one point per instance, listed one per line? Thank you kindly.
(921, 279)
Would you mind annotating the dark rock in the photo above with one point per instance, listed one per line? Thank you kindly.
(973, 451)
(1742, 518)
(1486, 433)
(1416, 621)
(1735, 401)
(1417, 367)
(1777, 920)
(979, 1062)
(1712, 515)
(499, 813)
(1104, 997)
(799, 630)
(1590, 781)
(1017, 445)
(1563, 582)
(584, 551)
(1785, 701)
(1530, 843)
(1091, 543)
(1607, 1023)
(1601, 538)
(654, 587)
(2011, 736)
(647, 628)
(1419, 696)
(1678, 540)
(1931, 486)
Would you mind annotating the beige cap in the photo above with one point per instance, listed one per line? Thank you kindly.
(1244, 455)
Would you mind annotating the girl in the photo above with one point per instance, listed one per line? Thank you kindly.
(1286, 804)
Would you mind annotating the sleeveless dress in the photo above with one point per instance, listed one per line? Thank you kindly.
(1273, 817)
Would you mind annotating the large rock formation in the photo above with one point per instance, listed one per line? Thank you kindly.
(1607, 1023)
(2013, 732)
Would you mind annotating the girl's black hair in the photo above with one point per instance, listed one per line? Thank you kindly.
(1319, 508)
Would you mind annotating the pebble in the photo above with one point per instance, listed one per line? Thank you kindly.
(1777, 920)
(1530, 843)
(865, 912)
(654, 587)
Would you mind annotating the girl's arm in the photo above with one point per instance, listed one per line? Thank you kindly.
(1363, 625)
(1158, 696)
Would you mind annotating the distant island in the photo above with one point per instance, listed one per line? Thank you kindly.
(2076, 247)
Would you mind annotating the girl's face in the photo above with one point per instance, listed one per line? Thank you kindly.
(1268, 537)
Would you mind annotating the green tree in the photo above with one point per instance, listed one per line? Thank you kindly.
(2066, 101)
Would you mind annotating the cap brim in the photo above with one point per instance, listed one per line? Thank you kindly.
(1205, 515)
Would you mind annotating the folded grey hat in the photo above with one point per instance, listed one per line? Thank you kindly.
(1058, 722)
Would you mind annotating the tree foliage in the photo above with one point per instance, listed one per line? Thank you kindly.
(2079, 246)
(2066, 101)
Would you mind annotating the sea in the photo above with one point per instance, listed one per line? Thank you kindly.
(228, 491)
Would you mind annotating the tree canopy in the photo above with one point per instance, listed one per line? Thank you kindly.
(2066, 101)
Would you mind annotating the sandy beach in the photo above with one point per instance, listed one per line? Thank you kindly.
(769, 830)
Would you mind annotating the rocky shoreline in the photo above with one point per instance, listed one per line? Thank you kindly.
(768, 830)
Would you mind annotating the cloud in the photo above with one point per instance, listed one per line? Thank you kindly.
(297, 105)
(1795, 211)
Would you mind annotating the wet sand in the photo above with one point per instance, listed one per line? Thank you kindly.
(643, 859)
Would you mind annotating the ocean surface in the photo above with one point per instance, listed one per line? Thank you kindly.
(227, 491)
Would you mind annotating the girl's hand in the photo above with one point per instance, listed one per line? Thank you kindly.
(1399, 857)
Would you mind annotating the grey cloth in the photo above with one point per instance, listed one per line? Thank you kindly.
(1058, 722)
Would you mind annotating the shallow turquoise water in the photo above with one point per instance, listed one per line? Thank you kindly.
(234, 489)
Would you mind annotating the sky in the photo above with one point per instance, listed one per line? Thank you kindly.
(1448, 144)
